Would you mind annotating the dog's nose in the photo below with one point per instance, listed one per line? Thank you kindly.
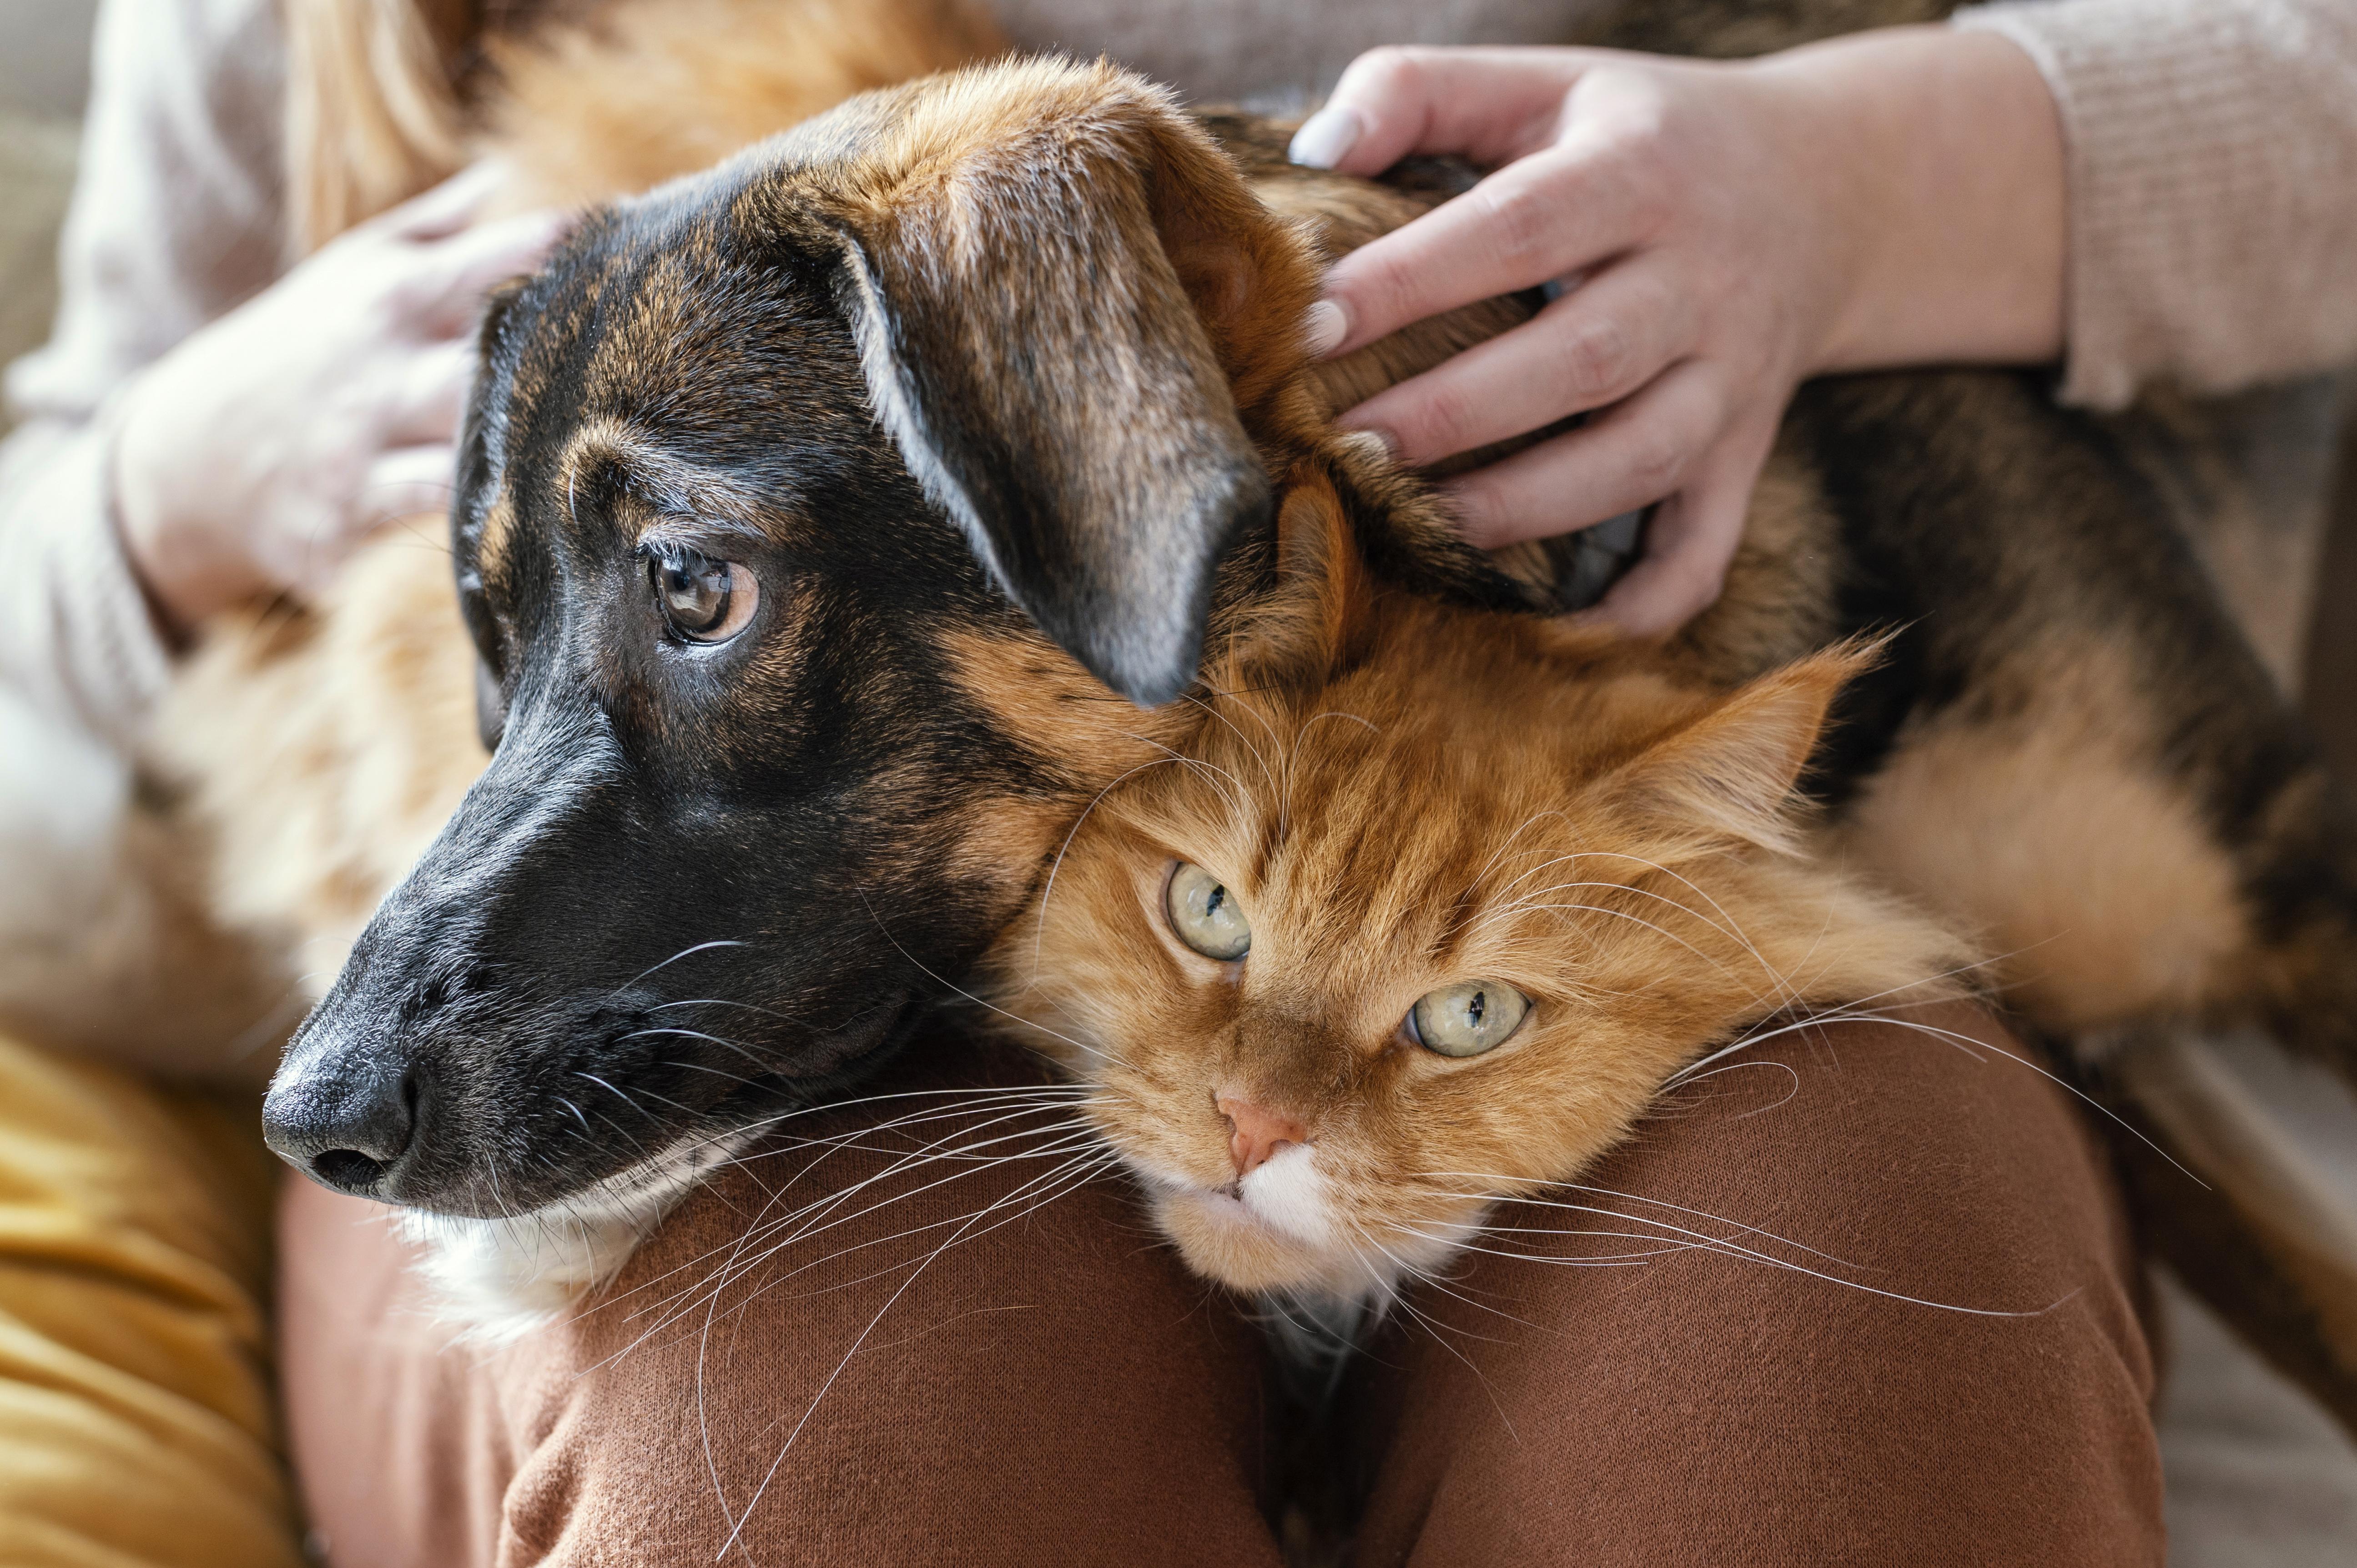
(1256, 1133)
(347, 1130)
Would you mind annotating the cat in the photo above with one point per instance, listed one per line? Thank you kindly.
(1430, 920)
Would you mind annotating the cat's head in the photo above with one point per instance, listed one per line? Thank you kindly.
(1380, 947)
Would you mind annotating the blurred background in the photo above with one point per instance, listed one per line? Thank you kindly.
(2258, 1478)
(44, 76)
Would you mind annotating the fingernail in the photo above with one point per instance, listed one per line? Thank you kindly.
(1323, 328)
(1383, 439)
(1327, 137)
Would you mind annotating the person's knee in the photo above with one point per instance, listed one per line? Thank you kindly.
(928, 1325)
(1861, 1292)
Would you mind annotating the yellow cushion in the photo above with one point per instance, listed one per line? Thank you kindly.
(138, 1425)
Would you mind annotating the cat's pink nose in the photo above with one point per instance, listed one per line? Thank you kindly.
(1257, 1134)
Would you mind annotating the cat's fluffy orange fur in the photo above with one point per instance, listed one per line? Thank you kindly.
(1433, 796)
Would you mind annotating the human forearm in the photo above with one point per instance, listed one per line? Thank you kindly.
(2212, 149)
(1936, 162)
(76, 634)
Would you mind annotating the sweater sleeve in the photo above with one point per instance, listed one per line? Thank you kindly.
(2212, 169)
(175, 218)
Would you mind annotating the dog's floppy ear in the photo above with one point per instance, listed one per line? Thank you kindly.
(1062, 292)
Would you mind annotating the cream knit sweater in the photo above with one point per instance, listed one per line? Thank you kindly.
(2212, 184)
(2212, 189)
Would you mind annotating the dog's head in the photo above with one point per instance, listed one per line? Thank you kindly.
(771, 483)
(828, 527)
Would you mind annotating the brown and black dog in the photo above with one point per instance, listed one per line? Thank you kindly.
(830, 525)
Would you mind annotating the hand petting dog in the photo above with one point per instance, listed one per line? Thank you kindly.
(1719, 233)
(253, 456)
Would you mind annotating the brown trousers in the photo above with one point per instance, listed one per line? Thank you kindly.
(1866, 1297)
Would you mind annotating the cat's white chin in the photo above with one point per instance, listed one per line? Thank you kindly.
(1273, 1232)
(1276, 1233)
(1222, 1238)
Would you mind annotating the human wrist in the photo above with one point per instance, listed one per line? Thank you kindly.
(188, 569)
(1936, 163)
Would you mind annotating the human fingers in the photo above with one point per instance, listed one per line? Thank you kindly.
(1592, 347)
(429, 394)
(448, 207)
(309, 545)
(1690, 540)
(1556, 212)
(402, 482)
(1632, 457)
(1489, 105)
(446, 290)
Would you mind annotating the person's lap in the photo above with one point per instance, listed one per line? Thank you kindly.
(1928, 1349)
(984, 1362)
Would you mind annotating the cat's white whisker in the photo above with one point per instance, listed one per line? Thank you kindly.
(933, 1154)
(761, 1223)
(1242, 739)
(1743, 1255)
(1496, 1181)
(1039, 1189)
(1070, 1171)
(1682, 1236)
(1725, 924)
(754, 1501)
(1973, 1048)
(1792, 1076)
(1039, 923)
(1732, 928)
(1640, 920)
(1508, 843)
(1430, 1277)
(981, 1000)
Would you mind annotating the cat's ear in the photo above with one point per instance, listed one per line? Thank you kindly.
(1063, 295)
(1732, 773)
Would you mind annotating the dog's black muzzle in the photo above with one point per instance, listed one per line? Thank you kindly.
(562, 989)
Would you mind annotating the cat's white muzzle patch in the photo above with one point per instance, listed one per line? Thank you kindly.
(1287, 1194)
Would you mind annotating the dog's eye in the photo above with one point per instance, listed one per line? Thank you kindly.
(1206, 915)
(702, 599)
(1468, 1019)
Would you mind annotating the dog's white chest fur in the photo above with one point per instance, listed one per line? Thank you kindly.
(498, 1279)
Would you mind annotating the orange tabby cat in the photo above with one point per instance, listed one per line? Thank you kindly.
(1431, 925)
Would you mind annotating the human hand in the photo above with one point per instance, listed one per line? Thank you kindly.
(256, 454)
(1726, 230)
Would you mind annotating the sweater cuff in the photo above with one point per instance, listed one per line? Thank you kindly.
(2209, 145)
(76, 632)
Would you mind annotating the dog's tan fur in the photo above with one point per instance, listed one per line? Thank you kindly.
(326, 748)
(650, 92)
(2100, 892)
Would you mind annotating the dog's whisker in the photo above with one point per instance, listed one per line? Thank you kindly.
(684, 952)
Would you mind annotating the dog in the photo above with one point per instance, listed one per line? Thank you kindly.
(833, 524)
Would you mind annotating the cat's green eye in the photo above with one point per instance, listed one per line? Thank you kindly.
(1467, 1019)
(1206, 915)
